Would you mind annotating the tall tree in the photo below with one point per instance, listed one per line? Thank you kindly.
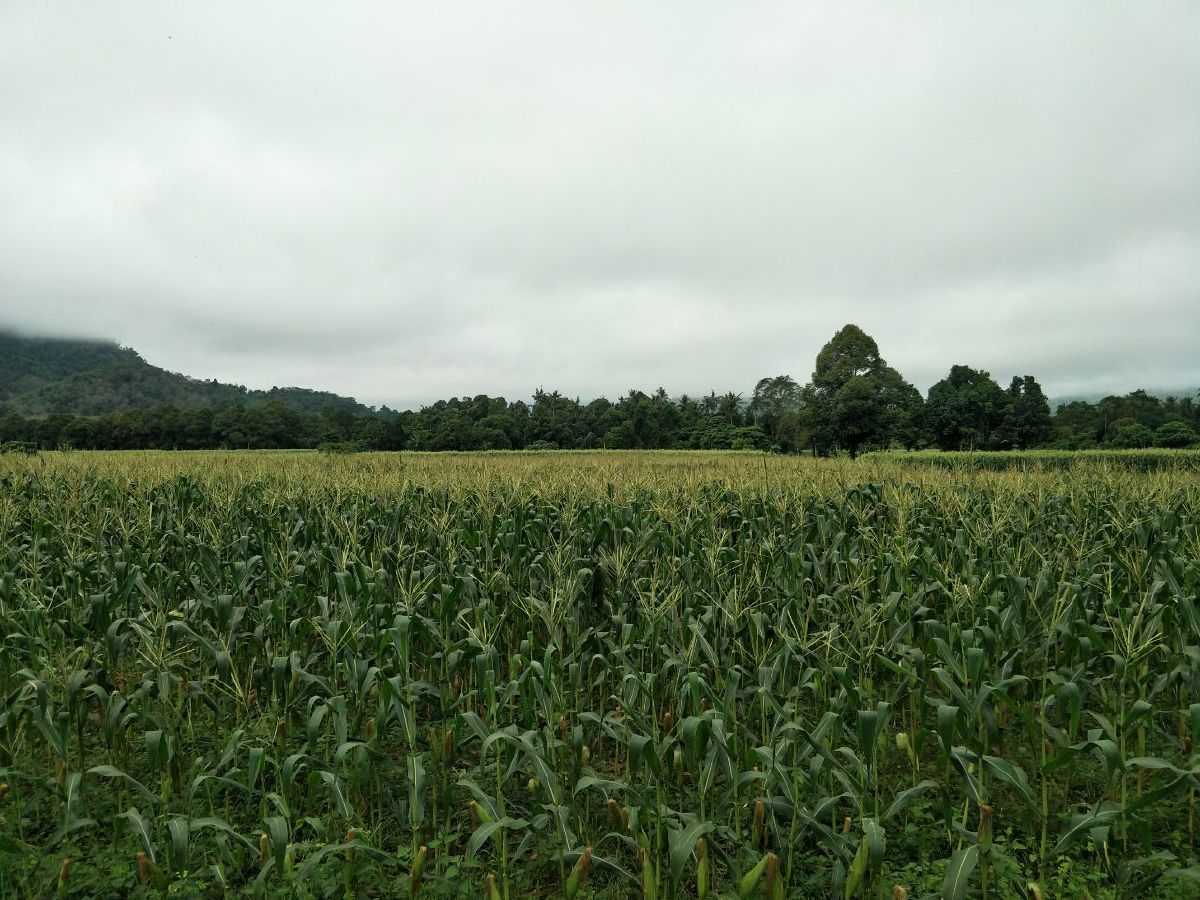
(1028, 423)
(965, 409)
(729, 406)
(850, 353)
(1078, 425)
(855, 399)
(857, 413)
(900, 417)
(775, 408)
(554, 418)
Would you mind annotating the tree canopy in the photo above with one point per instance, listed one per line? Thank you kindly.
(856, 400)
(965, 410)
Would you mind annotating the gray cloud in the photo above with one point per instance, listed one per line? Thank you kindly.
(405, 202)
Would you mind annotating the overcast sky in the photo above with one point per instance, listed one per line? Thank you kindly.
(409, 201)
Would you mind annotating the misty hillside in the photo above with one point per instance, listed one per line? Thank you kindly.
(1094, 397)
(46, 376)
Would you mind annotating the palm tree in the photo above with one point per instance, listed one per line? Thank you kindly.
(730, 407)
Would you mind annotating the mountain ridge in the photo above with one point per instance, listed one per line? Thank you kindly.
(41, 376)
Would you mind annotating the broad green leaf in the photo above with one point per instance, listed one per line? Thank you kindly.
(1081, 825)
(487, 829)
(180, 832)
(958, 873)
(141, 830)
(905, 797)
(682, 844)
(418, 785)
(113, 772)
(277, 834)
(1012, 775)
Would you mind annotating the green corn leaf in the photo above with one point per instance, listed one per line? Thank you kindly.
(1104, 814)
(876, 843)
(871, 723)
(477, 794)
(858, 869)
(157, 748)
(277, 834)
(696, 732)
(541, 769)
(113, 772)
(642, 752)
(180, 832)
(219, 825)
(561, 816)
(958, 874)
(71, 826)
(202, 779)
(313, 725)
(141, 830)
(1012, 775)
(12, 846)
(312, 860)
(947, 717)
(486, 830)
(681, 844)
(280, 804)
(960, 758)
(264, 876)
(606, 785)
(906, 797)
(600, 863)
(418, 785)
(50, 732)
(256, 760)
(1155, 763)
(1153, 796)
(476, 726)
(1068, 693)
(335, 791)
(1138, 712)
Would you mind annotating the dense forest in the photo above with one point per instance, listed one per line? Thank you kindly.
(853, 402)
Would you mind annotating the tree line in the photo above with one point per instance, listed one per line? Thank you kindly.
(853, 402)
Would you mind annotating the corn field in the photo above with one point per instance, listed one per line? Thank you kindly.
(609, 675)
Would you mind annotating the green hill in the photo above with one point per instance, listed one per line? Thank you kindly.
(46, 376)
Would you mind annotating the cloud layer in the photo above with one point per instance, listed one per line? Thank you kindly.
(405, 202)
